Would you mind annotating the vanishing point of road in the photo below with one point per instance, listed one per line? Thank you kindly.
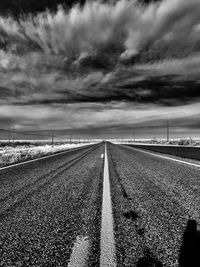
(99, 205)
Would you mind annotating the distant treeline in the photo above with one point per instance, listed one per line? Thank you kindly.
(17, 7)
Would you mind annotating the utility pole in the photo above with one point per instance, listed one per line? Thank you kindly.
(134, 136)
(9, 136)
(52, 139)
(13, 134)
(167, 131)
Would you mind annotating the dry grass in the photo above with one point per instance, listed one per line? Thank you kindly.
(10, 155)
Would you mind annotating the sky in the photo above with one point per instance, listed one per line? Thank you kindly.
(102, 69)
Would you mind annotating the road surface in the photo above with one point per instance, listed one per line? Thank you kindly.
(62, 210)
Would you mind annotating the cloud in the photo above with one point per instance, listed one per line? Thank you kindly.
(119, 28)
(102, 52)
(70, 55)
(108, 119)
(114, 26)
(165, 30)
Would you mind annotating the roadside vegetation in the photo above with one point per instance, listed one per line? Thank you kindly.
(177, 142)
(23, 151)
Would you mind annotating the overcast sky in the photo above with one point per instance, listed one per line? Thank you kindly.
(103, 69)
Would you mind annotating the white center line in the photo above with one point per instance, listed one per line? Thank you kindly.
(164, 157)
(107, 257)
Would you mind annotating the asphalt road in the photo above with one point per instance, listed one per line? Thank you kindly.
(46, 205)
(51, 209)
(153, 199)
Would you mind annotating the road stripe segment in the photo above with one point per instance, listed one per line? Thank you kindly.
(107, 257)
(80, 252)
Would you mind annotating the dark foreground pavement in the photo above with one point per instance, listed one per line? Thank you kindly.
(49, 204)
(45, 205)
(153, 199)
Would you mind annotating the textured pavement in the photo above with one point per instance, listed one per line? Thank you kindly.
(153, 199)
(47, 205)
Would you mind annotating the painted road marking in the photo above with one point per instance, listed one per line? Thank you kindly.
(102, 156)
(80, 252)
(165, 157)
(107, 257)
(41, 158)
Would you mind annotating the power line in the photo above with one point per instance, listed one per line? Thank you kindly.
(12, 135)
(28, 133)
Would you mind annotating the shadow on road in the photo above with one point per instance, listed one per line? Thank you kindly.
(190, 250)
(148, 260)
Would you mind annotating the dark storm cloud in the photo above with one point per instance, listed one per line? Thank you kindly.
(18, 7)
(108, 52)
(160, 90)
(101, 52)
